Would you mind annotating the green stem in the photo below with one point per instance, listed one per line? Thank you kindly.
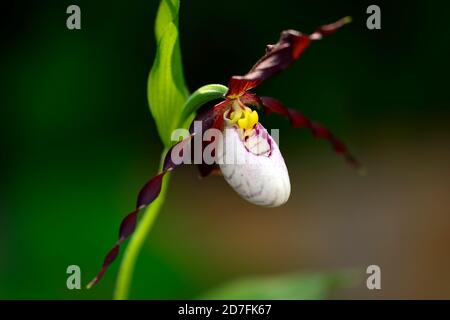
(196, 100)
(131, 253)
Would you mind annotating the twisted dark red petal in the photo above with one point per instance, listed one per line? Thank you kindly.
(110, 257)
(128, 225)
(278, 57)
(298, 120)
(149, 192)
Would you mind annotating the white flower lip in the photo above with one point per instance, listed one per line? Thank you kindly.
(254, 166)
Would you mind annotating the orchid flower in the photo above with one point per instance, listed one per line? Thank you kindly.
(263, 178)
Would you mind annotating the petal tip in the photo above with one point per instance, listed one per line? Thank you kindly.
(347, 20)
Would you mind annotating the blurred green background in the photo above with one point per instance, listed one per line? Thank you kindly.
(77, 142)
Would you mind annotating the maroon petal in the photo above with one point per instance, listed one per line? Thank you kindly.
(128, 225)
(298, 120)
(168, 161)
(210, 118)
(146, 196)
(110, 257)
(150, 191)
(278, 57)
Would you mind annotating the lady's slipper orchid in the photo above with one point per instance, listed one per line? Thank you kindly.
(262, 178)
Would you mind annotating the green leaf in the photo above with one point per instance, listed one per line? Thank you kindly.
(287, 287)
(166, 89)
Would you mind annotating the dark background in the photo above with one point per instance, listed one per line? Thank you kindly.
(77, 141)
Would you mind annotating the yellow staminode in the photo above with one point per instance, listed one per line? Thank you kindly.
(246, 119)
(235, 116)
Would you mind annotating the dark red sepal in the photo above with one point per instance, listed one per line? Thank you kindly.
(278, 57)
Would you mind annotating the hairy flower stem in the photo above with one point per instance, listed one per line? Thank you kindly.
(131, 253)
